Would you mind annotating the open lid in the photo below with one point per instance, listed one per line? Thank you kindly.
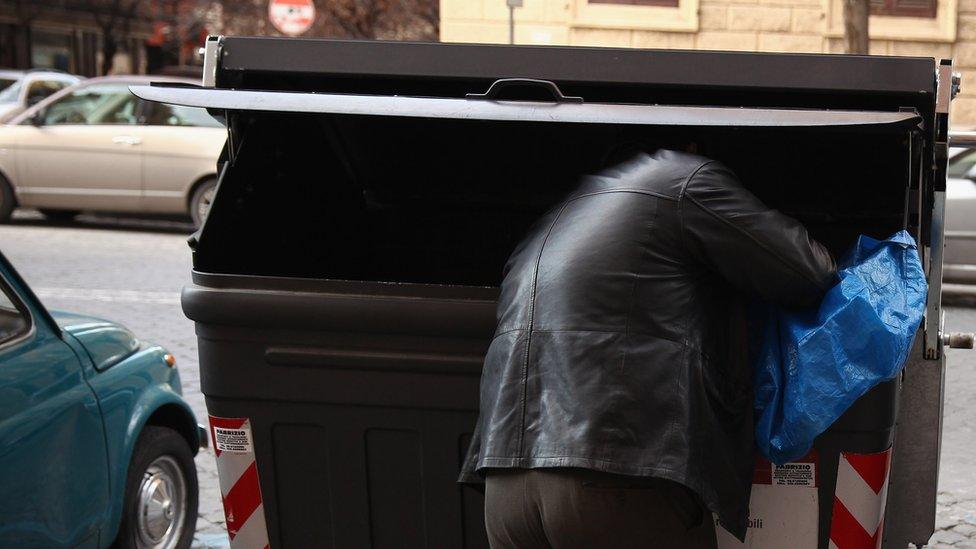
(486, 106)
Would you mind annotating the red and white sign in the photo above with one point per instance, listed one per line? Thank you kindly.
(291, 17)
(783, 510)
(859, 500)
(239, 486)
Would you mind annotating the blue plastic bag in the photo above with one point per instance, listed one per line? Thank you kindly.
(812, 365)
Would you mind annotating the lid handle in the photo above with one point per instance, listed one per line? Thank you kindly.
(498, 85)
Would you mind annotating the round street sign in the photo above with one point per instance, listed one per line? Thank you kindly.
(291, 17)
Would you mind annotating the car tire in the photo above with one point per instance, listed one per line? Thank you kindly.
(7, 200)
(200, 201)
(160, 505)
(59, 215)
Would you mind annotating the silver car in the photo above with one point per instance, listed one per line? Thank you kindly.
(960, 234)
(20, 90)
(96, 147)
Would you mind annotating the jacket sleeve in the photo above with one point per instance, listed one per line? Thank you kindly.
(756, 248)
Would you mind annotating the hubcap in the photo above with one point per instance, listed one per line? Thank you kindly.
(162, 504)
(204, 205)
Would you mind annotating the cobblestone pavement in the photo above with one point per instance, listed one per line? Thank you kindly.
(132, 272)
(956, 511)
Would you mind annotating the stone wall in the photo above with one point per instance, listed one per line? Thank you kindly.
(801, 26)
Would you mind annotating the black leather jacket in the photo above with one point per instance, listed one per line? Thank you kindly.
(616, 348)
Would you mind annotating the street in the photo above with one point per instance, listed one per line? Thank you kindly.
(132, 272)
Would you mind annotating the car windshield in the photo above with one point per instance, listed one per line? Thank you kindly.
(11, 92)
(96, 104)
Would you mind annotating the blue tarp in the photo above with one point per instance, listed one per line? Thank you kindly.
(812, 365)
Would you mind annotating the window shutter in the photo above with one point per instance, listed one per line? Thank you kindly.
(904, 8)
(638, 2)
(878, 7)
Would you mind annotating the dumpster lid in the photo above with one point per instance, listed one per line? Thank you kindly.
(517, 111)
(423, 65)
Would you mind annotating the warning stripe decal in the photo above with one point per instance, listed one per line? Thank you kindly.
(242, 500)
(846, 532)
(872, 468)
(859, 500)
(229, 472)
(240, 486)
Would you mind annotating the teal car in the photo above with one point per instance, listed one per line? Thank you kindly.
(96, 441)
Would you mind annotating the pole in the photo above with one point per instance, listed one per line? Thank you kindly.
(511, 23)
(856, 13)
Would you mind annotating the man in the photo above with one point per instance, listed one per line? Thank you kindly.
(616, 398)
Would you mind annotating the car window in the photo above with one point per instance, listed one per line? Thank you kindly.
(12, 92)
(178, 115)
(40, 89)
(6, 82)
(13, 321)
(93, 105)
(961, 164)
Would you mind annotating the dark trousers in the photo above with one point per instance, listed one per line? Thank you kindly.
(570, 508)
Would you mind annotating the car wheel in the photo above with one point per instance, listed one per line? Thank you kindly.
(200, 201)
(59, 215)
(160, 506)
(6, 200)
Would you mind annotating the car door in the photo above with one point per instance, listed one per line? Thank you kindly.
(181, 146)
(53, 464)
(960, 234)
(82, 152)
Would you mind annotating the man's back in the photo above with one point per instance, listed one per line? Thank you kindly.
(615, 349)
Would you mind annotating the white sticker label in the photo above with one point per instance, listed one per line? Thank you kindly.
(235, 441)
(779, 516)
(794, 474)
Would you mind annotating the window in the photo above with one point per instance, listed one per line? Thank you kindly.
(6, 82)
(13, 320)
(905, 8)
(637, 2)
(51, 50)
(177, 115)
(653, 15)
(97, 104)
(40, 89)
(11, 93)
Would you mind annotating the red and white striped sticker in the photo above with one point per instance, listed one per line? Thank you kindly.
(239, 486)
(859, 500)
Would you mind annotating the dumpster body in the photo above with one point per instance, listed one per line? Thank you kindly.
(345, 279)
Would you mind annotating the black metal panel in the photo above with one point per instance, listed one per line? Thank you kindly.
(806, 72)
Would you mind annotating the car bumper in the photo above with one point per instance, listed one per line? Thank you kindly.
(203, 435)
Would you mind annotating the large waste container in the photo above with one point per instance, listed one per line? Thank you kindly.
(344, 281)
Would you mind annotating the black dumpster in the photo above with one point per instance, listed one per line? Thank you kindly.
(344, 281)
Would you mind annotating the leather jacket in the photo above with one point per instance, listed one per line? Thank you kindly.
(619, 345)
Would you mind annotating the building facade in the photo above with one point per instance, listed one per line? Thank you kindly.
(66, 36)
(933, 28)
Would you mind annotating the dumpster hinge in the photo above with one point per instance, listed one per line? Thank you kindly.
(211, 55)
